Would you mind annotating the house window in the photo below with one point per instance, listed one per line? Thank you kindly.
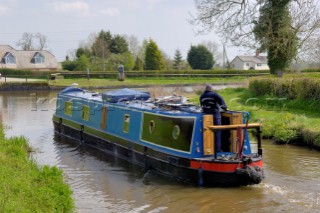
(259, 65)
(38, 58)
(248, 64)
(8, 58)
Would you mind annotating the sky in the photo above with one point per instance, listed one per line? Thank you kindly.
(67, 23)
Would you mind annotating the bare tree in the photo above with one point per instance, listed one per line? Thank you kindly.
(213, 47)
(42, 41)
(26, 42)
(133, 44)
(312, 52)
(234, 19)
(231, 19)
(306, 22)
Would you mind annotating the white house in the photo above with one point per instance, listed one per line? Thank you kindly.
(250, 63)
(29, 59)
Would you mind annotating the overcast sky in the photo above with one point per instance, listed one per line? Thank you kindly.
(66, 23)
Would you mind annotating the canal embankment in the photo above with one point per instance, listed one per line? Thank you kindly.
(287, 108)
(27, 187)
(59, 84)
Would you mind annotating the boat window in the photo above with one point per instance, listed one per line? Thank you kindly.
(126, 123)
(152, 126)
(68, 108)
(85, 113)
(175, 132)
(104, 117)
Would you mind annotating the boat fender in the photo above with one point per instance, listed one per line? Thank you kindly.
(200, 175)
(81, 134)
(59, 125)
(251, 173)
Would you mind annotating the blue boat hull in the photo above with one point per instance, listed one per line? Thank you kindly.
(177, 168)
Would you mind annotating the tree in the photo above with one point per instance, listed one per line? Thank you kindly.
(142, 50)
(127, 60)
(315, 57)
(100, 47)
(153, 57)
(213, 47)
(118, 44)
(177, 61)
(242, 23)
(26, 42)
(133, 45)
(138, 64)
(276, 36)
(199, 57)
(83, 51)
(166, 61)
(42, 41)
(82, 63)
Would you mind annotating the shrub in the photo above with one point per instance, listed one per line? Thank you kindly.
(280, 129)
(311, 70)
(302, 88)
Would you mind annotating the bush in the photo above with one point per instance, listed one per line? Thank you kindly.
(17, 72)
(311, 70)
(69, 65)
(302, 88)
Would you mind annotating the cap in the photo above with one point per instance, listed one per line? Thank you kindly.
(208, 87)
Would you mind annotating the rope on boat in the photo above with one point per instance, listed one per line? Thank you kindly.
(244, 138)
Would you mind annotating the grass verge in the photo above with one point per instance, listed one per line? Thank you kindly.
(282, 120)
(26, 187)
(144, 81)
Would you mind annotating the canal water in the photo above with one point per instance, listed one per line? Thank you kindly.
(103, 183)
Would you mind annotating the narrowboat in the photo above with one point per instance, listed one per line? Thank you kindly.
(164, 134)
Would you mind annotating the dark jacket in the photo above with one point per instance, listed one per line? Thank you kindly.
(211, 102)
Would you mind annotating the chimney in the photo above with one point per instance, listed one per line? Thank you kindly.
(257, 53)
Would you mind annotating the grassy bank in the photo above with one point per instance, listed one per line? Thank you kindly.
(112, 83)
(282, 120)
(144, 81)
(26, 187)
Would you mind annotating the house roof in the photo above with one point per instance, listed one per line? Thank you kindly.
(4, 49)
(24, 57)
(254, 59)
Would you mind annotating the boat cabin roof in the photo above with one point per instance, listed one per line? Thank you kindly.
(134, 98)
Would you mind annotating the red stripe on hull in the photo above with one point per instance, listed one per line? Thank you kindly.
(221, 166)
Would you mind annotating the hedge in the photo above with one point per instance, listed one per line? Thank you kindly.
(18, 72)
(302, 88)
(311, 70)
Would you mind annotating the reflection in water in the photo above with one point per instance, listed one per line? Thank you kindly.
(104, 183)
